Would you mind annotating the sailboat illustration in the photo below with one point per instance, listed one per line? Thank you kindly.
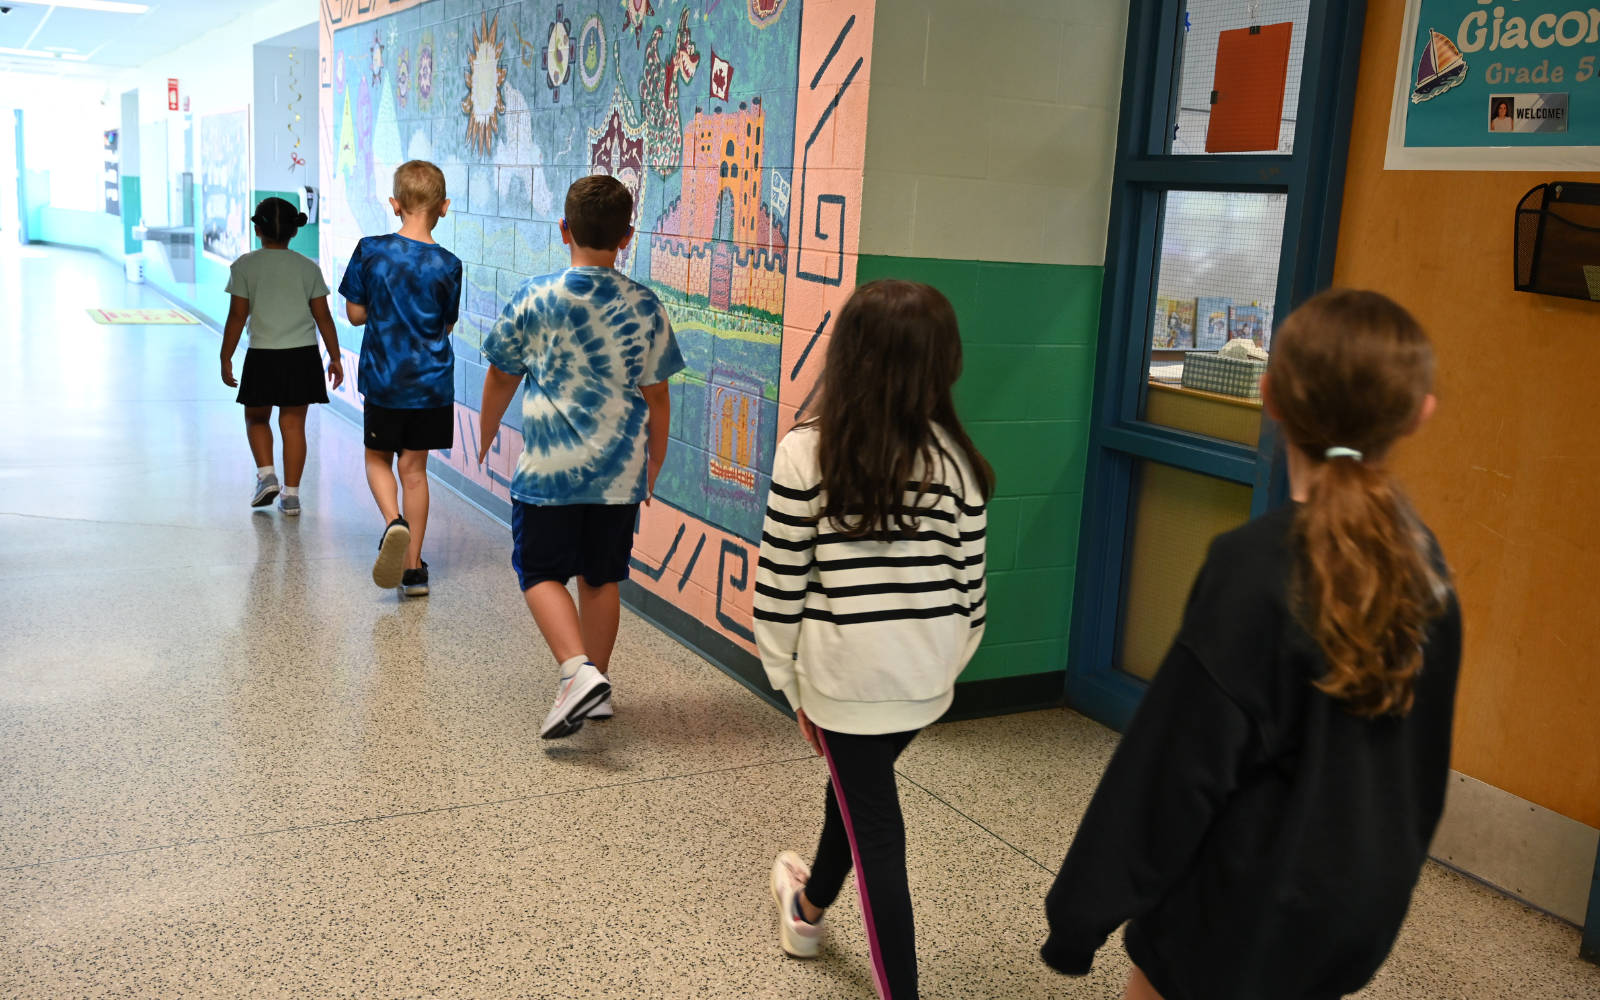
(1440, 68)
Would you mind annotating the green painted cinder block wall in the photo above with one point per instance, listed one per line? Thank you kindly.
(130, 213)
(1028, 333)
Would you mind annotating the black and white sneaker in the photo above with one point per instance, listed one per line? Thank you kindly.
(389, 568)
(266, 490)
(415, 582)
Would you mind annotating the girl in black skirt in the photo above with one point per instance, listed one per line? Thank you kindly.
(286, 301)
(1263, 822)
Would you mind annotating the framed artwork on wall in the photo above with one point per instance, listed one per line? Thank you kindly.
(225, 184)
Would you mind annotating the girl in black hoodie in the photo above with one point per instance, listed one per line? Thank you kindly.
(1266, 816)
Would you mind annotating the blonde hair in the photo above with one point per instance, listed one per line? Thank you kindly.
(1350, 371)
(419, 186)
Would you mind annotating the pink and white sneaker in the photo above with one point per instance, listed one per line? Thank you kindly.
(575, 697)
(796, 937)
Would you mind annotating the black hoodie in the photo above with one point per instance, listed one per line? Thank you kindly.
(1262, 840)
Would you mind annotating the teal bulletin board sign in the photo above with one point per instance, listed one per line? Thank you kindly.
(1497, 85)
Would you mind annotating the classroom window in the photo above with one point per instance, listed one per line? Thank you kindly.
(1216, 282)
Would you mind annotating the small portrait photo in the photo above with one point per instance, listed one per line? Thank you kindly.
(1502, 113)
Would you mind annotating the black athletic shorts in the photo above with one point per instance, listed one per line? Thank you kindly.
(425, 429)
(560, 541)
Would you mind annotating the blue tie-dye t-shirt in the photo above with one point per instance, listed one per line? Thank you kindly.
(586, 339)
(412, 292)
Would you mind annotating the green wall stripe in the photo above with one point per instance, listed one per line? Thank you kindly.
(1029, 333)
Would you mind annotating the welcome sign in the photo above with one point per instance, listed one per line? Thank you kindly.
(1496, 85)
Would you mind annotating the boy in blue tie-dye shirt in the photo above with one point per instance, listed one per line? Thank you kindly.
(596, 349)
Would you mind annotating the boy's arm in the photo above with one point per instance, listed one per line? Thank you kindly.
(330, 337)
(498, 389)
(357, 315)
(659, 399)
(238, 312)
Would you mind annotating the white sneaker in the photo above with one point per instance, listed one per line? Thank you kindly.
(602, 711)
(574, 698)
(798, 938)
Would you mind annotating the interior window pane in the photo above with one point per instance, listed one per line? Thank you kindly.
(1206, 20)
(1217, 280)
(1176, 513)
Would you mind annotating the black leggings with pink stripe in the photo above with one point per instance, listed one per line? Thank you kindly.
(869, 831)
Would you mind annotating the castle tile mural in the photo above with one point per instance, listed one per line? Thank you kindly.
(720, 116)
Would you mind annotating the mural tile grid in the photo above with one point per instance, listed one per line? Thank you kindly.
(694, 107)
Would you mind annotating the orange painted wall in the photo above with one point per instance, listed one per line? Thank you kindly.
(1508, 475)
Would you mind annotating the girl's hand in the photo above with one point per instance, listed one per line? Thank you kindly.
(808, 729)
(335, 371)
(227, 374)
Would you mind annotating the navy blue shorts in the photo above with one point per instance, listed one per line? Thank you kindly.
(560, 541)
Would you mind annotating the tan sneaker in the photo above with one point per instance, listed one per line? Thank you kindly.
(796, 937)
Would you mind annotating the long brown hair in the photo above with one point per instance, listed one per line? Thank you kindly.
(1351, 369)
(895, 352)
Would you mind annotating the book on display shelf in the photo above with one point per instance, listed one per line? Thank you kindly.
(1174, 324)
(1211, 322)
(1250, 323)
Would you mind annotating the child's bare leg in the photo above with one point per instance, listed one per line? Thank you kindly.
(600, 610)
(1139, 987)
(557, 618)
(380, 479)
(292, 425)
(414, 480)
(258, 429)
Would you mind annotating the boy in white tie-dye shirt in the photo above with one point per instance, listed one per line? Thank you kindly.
(596, 349)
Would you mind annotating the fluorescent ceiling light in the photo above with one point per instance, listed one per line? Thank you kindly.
(110, 6)
(74, 57)
(26, 52)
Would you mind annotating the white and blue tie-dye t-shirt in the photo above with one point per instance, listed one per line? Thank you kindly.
(586, 339)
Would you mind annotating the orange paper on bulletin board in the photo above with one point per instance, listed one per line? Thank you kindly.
(1247, 92)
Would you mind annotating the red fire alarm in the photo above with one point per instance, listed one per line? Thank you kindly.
(172, 93)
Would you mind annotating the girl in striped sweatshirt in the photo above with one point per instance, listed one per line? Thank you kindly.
(870, 598)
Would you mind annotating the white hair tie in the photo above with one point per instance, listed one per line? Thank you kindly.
(1342, 453)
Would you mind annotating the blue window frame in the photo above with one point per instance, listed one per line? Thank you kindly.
(1311, 179)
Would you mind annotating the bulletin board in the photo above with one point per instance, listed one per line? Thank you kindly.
(1496, 86)
(225, 184)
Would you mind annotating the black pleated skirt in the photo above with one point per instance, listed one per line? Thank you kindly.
(291, 376)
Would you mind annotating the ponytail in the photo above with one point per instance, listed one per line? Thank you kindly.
(1349, 375)
(277, 220)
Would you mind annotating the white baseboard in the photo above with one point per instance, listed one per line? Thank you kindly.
(1539, 856)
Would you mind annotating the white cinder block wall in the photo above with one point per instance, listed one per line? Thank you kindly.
(992, 129)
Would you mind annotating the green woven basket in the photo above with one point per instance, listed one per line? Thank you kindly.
(1227, 376)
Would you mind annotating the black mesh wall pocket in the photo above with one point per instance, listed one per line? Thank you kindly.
(1558, 241)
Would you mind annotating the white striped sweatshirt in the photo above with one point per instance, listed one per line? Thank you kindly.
(868, 637)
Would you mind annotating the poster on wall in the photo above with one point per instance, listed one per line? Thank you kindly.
(1503, 87)
(225, 184)
(112, 175)
(739, 128)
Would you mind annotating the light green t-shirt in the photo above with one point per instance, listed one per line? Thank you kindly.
(280, 285)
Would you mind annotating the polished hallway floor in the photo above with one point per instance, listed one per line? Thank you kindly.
(231, 767)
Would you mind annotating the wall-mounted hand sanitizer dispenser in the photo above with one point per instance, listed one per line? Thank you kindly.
(308, 204)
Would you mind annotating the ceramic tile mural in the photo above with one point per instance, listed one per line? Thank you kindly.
(739, 125)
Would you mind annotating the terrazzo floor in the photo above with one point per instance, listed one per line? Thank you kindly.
(234, 768)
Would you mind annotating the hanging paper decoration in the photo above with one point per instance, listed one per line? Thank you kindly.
(295, 159)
